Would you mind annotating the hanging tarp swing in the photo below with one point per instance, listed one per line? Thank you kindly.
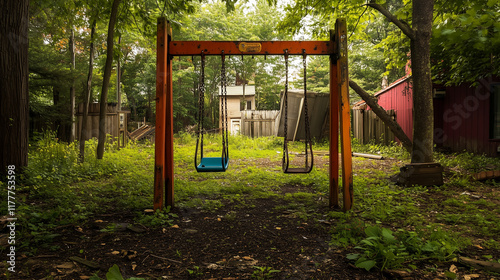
(212, 164)
(308, 161)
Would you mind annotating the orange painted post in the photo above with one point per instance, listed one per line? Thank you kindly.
(334, 130)
(169, 126)
(161, 78)
(345, 119)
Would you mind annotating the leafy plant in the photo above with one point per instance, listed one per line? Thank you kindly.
(195, 272)
(159, 218)
(264, 272)
(379, 248)
(114, 273)
(385, 249)
(347, 233)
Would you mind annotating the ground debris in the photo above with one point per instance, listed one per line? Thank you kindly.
(88, 263)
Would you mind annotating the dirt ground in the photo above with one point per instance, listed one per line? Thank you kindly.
(235, 242)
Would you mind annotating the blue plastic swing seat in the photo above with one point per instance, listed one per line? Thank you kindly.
(212, 164)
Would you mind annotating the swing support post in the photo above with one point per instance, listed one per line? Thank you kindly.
(335, 48)
(164, 129)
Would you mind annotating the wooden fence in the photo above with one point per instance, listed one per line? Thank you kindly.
(116, 122)
(366, 127)
(259, 123)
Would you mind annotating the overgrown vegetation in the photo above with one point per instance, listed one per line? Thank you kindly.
(390, 227)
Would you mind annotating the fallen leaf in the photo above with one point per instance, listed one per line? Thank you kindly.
(134, 266)
(453, 268)
(66, 265)
(115, 253)
(212, 266)
(471, 276)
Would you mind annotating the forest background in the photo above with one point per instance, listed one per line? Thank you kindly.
(52, 77)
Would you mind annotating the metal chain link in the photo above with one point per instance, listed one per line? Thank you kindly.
(224, 108)
(306, 116)
(201, 103)
(285, 101)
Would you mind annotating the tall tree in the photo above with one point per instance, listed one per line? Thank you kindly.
(72, 87)
(418, 31)
(106, 77)
(87, 93)
(14, 84)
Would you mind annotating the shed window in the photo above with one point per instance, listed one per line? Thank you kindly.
(495, 112)
(248, 103)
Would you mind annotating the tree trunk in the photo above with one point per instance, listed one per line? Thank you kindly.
(423, 111)
(383, 115)
(118, 78)
(14, 110)
(72, 88)
(86, 98)
(105, 81)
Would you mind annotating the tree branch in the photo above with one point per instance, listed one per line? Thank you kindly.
(407, 30)
(383, 115)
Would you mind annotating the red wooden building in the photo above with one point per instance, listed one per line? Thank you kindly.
(466, 117)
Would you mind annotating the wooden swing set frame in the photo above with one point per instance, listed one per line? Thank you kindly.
(335, 48)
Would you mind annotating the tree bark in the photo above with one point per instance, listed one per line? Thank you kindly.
(105, 82)
(86, 98)
(423, 111)
(118, 80)
(383, 115)
(14, 106)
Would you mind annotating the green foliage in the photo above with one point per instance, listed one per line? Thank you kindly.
(465, 40)
(347, 232)
(385, 249)
(158, 218)
(394, 150)
(195, 272)
(114, 273)
(262, 273)
(467, 162)
(67, 192)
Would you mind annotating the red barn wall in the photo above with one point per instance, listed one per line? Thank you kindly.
(462, 119)
(398, 97)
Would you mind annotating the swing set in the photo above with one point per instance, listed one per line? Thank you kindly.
(335, 48)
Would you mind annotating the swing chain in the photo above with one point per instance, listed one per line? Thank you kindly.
(224, 104)
(201, 102)
(285, 101)
(306, 116)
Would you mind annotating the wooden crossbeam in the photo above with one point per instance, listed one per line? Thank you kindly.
(194, 48)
